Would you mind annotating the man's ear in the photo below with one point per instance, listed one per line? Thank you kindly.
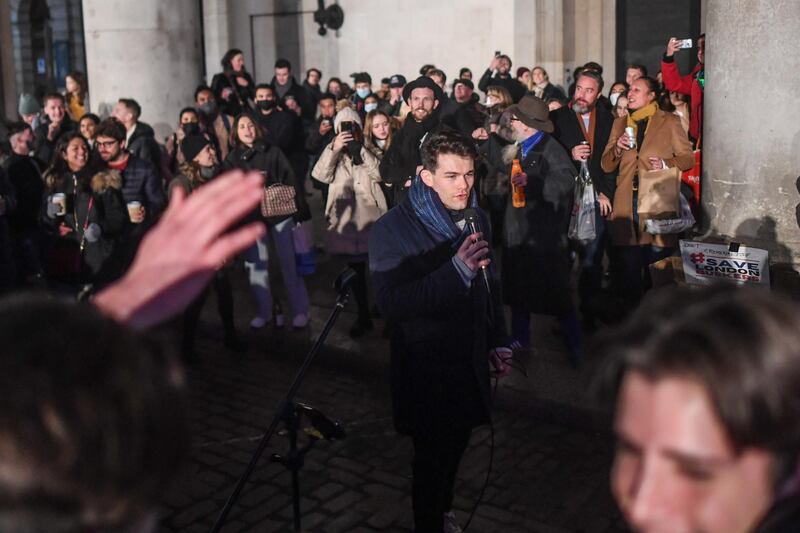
(427, 177)
(122, 144)
(435, 104)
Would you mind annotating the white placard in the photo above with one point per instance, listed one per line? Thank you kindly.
(705, 263)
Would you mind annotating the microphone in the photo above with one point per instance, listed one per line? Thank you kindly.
(474, 226)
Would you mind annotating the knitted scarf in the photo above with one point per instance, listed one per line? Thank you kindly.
(433, 214)
(645, 113)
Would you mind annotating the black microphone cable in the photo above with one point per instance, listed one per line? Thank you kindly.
(471, 218)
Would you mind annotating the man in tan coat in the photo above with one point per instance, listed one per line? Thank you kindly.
(660, 142)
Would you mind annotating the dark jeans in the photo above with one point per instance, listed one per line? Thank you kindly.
(436, 459)
(222, 286)
(570, 330)
(633, 272)
(591, 261)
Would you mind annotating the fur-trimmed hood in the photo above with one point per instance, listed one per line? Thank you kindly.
(106, 179)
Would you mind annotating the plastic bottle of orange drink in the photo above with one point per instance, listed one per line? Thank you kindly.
(517, 193)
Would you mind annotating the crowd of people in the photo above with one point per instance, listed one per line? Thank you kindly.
(99, 208)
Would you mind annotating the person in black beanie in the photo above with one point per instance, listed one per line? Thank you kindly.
(402, 161)
(199, 167)
(469, 114)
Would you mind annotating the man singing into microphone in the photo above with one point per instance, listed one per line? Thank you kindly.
(426, 266)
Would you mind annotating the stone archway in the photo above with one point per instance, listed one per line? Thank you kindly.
(48, 43)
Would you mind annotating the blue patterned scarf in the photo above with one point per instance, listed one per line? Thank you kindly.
(433, 214)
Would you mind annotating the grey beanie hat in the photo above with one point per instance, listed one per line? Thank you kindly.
(28, 105)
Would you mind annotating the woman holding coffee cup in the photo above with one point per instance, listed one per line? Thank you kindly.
(84, 212)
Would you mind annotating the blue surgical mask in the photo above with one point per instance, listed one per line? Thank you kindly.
(363, 93)
(370, 107)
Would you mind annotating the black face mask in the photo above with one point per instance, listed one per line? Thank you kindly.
(208, 173)
(191, 128)
(208, 108)
(265, 105)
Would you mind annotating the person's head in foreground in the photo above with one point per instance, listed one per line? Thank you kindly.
(92, 425)
(708, 412)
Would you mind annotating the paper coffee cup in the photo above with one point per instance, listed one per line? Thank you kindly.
(60, 199)
(133, 211)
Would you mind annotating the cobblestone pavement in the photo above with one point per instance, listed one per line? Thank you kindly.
(550, 471)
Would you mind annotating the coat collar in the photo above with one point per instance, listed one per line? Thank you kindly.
(656, 122)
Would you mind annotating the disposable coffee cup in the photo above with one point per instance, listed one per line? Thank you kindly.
(133, 211)
(631, 136)
(60, 199)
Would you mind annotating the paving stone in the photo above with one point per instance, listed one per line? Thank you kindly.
(343, 501)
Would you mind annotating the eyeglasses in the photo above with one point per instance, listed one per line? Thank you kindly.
(106, 144)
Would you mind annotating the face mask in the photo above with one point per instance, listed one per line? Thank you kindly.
(370, 107)
(613, 98)
(191, 128)
(208, 108)
(208, 172)
(266, 105)
(363, 93)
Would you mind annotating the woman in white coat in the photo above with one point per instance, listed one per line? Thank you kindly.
(349, 165)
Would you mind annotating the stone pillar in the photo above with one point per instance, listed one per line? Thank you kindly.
(216, 35)
(751, 145)
(549, 23)
(590, 35)
(8, 98)
(147, 50)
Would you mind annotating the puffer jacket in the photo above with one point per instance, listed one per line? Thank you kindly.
(97, 199)
(355, 198)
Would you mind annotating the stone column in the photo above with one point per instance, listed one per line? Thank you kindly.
(148, 50)
(8, 105)
(217, 36)
(751, 145)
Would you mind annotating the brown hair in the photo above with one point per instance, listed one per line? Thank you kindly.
(742, 345)
(234, 141)
(111, 127)
(83, 88)
(446, 142)
(502, 92)
(93, 420)
(368, 139)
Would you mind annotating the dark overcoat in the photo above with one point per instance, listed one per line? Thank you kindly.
(442, 329)
(535, 269)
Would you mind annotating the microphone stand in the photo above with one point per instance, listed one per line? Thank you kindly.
(288, 407)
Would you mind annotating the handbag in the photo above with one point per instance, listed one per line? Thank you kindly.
(278, 201)
(669, 226)
(659, 194)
